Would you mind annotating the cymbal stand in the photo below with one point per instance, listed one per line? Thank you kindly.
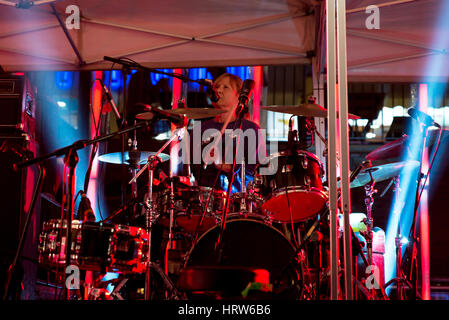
(150, 212)
(243, 204)
(150, 216)
(369, 201)
(134, 159)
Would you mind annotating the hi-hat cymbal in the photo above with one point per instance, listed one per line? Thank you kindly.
(190, 113)
(305, 110)
(140, 157)
(382, 172)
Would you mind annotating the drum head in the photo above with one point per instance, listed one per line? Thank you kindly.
(249, 243)
(304, 204)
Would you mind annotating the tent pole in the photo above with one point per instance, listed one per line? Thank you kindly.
(387, 4)
(344, 145)
(332, 144)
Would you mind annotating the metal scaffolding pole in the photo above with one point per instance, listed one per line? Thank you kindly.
(332, 143)
(344, 144)
(337, 105)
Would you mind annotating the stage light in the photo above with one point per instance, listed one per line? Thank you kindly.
(61, 104)
(370, 135)
(404, 241)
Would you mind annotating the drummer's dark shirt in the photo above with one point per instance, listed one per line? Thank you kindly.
(253, 148)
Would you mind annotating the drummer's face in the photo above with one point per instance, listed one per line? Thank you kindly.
(229, 96)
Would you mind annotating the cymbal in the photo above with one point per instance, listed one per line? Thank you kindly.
(390, 150)
(382, 172)
(124, 158)
(305, 110)
(191, 113)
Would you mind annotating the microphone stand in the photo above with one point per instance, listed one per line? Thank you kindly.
(134, 65)
(400, 277)
(410, 263)
(219, 244)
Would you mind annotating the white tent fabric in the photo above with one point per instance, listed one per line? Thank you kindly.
(170, 33)
(410, 45)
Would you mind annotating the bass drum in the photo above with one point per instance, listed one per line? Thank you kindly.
(250, 243)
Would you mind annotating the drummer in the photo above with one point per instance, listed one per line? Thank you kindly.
(227, 88)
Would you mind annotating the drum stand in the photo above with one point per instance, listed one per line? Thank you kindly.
(369, 201)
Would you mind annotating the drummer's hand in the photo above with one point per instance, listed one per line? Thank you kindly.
(224, 167)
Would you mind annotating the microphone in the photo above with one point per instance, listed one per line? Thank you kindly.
(110, 100)
(245, 94)
(85, 212)
(176, 119)
(213, 96)
(422, 117)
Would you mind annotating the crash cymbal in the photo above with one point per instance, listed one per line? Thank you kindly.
(140, 157)
(190, 113)
(305, 110)
(393, 149)
(382, 172)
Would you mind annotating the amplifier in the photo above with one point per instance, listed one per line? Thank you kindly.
(17, 105)
(16, 193)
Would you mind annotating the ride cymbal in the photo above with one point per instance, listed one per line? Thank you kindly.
(382, 172)
(140, 157)
(305, 110)
(190, 113)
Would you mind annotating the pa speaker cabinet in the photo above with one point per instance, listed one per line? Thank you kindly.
(16, 192)
(17, 105)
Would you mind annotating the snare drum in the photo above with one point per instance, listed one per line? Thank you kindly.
(292, 187)
(190, 204)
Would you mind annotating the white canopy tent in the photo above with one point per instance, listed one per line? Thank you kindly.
(174, 33)
(156, 33)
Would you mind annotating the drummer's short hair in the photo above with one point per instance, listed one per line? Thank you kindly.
(236, 81)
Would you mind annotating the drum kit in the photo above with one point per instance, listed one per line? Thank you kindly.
(257, 254)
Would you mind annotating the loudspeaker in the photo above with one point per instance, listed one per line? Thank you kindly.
(16, 192)
(17, 105)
